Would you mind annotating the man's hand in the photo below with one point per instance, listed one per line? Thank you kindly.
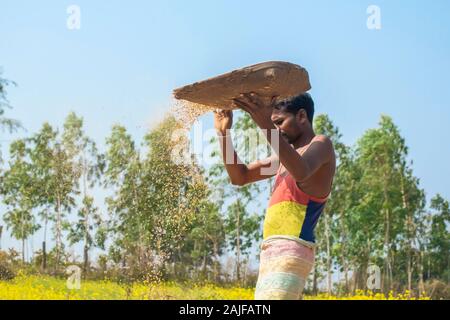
(223, 120)
(259, 110)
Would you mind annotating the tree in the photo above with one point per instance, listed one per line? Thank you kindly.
(6, 123)
(122, 176)
(41, 155)
(331, 228)
(377, 155)
(413, 203)
(155, 198)
(242, 227)
(18, 190)
(204, 242)
(58, 175)
(390, 198)
(374, 212)
(84, 229)
(439, 242)
(88, 164)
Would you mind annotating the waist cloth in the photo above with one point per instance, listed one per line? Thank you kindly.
(285, 263)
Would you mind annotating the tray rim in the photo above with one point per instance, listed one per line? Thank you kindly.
(260, 66)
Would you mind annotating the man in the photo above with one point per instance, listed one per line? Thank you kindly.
(305, 166)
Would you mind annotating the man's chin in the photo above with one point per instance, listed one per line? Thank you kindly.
(287, 140)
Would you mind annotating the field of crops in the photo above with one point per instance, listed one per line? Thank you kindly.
(48, 288)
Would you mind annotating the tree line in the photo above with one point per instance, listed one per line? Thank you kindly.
(164, 219)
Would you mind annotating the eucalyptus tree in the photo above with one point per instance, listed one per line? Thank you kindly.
(242, 224)
(18, 189)
(88, 164)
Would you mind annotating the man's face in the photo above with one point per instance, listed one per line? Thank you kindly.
(288, 124)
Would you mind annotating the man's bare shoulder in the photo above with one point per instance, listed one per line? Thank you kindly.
(323, 138)
(324, 142)
(320, 147)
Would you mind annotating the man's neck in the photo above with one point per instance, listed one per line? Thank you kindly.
(304, 139)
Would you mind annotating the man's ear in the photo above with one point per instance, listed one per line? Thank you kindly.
(301, 116)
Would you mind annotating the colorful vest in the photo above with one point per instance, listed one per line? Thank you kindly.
(291, 212)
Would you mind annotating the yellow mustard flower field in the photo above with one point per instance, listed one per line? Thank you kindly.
(32, 287)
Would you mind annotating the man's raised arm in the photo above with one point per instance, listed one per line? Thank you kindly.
(239, 173)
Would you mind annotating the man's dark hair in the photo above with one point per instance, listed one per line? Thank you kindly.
(294, 104)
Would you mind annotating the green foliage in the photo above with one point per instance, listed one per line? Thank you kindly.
(8, 264)
(242, 227)
(18, 189)
(155, 199)
(6, 124)
(439, 240)
(175, 219)
(376, 208)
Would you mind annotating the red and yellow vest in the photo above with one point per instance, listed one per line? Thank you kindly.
(291, 211)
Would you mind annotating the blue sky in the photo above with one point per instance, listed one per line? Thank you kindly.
(126, 59)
